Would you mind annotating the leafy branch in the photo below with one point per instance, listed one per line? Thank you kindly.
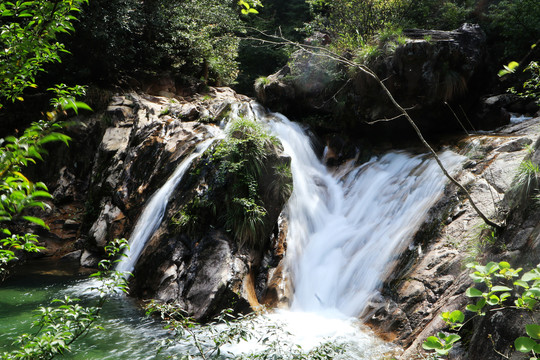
(501, 282)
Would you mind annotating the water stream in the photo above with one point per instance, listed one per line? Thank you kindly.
(345, 230)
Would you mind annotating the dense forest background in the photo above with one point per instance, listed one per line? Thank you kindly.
(200, 41)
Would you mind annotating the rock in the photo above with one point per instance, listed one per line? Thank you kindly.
(89, 259)
(73, 256)
(119, 114)
(115, 139)
(65, 187)
(437, 80)
(71, 225)
(433, 281)
(109, 225)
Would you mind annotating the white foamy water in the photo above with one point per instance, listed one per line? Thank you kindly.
(343, 233)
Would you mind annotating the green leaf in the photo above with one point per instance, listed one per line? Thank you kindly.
(432, 343)
(504, 265)
(493, 300)
(524, 344)
(36, 220)
(457, 316)
(452, 338)
(521, 283)
(531, 275)
(500, 288)
(473, 292)
(533, 331)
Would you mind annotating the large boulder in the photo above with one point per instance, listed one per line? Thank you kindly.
(437, 75)
(202, 267)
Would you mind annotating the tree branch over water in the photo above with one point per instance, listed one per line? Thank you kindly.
(322, 51)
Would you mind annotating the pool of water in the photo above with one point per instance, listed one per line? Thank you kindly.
(127, 334)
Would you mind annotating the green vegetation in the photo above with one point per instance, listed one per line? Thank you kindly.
(499, 283)
(354, 24)
(513, 26)
(62, 323)
(197, 38)
(241, 157)
(28, 34)
(531, 87)
(239, 162)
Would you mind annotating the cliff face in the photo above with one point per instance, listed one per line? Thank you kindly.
(142, 139)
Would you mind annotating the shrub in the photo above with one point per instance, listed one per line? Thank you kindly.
(242, 158)
(234, 200)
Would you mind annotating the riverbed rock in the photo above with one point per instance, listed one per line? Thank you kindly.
(136, 143)
(198, 262)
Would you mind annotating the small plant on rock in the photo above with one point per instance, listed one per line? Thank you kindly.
(501, 283)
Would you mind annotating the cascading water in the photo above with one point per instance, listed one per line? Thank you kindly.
(343, 233)
(151, 217)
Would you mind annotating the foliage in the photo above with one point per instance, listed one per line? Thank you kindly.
(241, 157)
(207, 341)
(28, 36)
(435, 14)
(248, 7)
(18, 194)
(526, 181)
(500, 283)
(60, 324)
(531, 86)
(354, 22)
(529, 344)
(513, 25)
(238, 165)
(441, 343)
(197, 38)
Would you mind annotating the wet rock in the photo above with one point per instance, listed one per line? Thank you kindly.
(73, 256)
(429, 78)
(109, 225)
(71, 225)
(89, 259)
(115, 139)
(65, 187)
(434, 280)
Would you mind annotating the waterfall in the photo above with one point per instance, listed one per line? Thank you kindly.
(344, 232)
(153, 212)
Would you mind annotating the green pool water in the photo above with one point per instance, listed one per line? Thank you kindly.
(128, 333)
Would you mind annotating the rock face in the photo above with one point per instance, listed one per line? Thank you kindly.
(431, 277)
(437, 75)
(142, 140)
